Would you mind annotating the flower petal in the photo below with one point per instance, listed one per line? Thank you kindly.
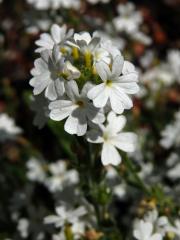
(56, 33)
(77, 126)
(117, 65)
(125, 141)
(116, 123)
(110, 155)
(50, 92)
(103, 70)
(72, 90)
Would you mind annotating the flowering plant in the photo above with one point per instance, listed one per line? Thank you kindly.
(104, 161)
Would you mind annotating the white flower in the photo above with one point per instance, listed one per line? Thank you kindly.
(109, 41)
(50, 72)
(84, 42)
(8, 129)
(40, 4)
(177, 227)
(158, 76)
(147, 59)
(65, 215)
(90, 48)
(111, 137)
(75, 4)
(54, 4)
(78, 230)
(78, 109)
(171, 134)
(141, 37)
(174, 62)
(115, 86)
(60, 236)
(146, 170)
(161, 224)
(109, 46)
(23, 225)
(100, 54)
(98, 1)
(59, 35)
(144, 231)
(128, 20)
(35, 170)
(173, 162)
(114, 182)
(39, 104)
(61, 176)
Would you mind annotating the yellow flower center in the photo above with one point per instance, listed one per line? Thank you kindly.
(88, 59)
(63, 50)
(75, 53)
(63, 75)
(108, 83)
(80, 103)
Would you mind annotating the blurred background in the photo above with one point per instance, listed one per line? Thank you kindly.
(148, 34)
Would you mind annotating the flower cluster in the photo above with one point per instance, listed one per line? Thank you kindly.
(54, 4)
(154, 227)
(66, 4)
(54, 176)
(129, 21)
(73, 213)
(88, 84)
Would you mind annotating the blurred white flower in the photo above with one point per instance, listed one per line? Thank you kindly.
(75, 4)
(109, 41)
(77, 108)
(8, 129)
(114, 182)
(144, 231)
(176, 228)
(60, 236)
(173, 59)
(65, 215)
(61, 176)
(157, 77)
(54, 4)
(142, 38)
(171, 133)
(39, 104)
(147, 59)
(35, 170)
(174, 164)
(23, 225)
(128, 20)
(98, 1)
(78, 230)
(111, 137)
(111, 47)
(161, 224)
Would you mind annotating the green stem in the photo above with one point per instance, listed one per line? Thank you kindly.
(136, 178)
